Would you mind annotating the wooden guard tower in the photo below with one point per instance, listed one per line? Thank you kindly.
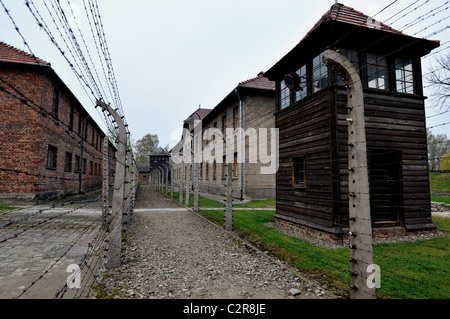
(312, 180)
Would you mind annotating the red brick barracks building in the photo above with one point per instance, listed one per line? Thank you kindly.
(42, 126)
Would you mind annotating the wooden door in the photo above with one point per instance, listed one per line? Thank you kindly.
(386, 187)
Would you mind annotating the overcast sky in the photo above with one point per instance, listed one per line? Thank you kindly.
(170, 56)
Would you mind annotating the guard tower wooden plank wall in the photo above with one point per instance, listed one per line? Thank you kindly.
(312, 181)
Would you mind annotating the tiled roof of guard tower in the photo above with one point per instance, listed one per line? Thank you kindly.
(342, 13)
(343, 24)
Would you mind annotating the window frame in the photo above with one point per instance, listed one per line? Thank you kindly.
(301, 161)
(71, 116)
(303, 74)
(401, 79)
(285, 96)
(323, 75)
(52, 157)
(354, 56)
(55, 103)
(77, 163)
(79, 123)
(68, 162)
(235, 117)
(378, 70)
(235, 165)
(224, 124)
(84, 165)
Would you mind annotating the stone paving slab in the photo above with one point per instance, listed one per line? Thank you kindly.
(35, 252)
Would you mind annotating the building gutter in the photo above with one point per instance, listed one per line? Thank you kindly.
(241, 166)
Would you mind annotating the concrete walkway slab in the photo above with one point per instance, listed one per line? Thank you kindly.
(36, 251)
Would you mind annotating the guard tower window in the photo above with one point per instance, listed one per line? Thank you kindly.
(303, 84)
(377, 71)
(353, 57)
(285, 96)
(404, 76)
(320, 73)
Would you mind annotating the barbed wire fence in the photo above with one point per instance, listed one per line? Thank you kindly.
(430, 257)
(95, 228)
(95, 257)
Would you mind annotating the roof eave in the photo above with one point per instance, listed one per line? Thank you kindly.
(27, 63)
(323, 30)
(55, 76)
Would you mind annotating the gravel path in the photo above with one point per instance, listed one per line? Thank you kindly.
(176, 254)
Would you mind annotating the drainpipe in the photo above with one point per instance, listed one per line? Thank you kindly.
(241, 162)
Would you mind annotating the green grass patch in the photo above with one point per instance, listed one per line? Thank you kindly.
(408, 270)
(439, 180)
(258, 203)
(4, 208)
(202, 201)
(441, 199)
(210, 203)
(416, 270)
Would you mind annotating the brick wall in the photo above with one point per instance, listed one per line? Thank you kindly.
(18, 152)
(25, 136)
(318, 236)
(257, 113)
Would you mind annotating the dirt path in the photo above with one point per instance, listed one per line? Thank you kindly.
(148, 198)
(176, 254)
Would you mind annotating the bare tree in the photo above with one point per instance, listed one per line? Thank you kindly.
(438, 146)
(146, 145)
(439, 78)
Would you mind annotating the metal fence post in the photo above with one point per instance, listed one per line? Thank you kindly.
(229, 198)
(360, 234)
(188, 185)
(181, 183)
(153, 183)
(171, 178)
(161, 179)
(196, 186)
(167, 180)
